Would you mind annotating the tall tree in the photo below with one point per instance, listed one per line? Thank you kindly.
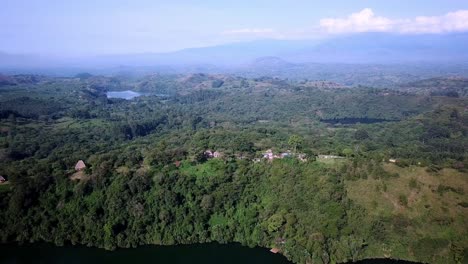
(295, 142)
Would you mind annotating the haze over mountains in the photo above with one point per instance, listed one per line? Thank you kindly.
(362, 48)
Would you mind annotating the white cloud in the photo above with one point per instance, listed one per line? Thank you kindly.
(367, 21)
(451, 22)
(249, 31)
(362, 21)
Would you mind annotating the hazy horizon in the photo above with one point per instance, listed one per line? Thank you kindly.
(85, 29)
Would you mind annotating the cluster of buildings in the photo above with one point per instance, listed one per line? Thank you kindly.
(329, 157)
(210, 154)
(269, 155)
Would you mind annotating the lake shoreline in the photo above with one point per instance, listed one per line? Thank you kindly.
(166, 252)
(129, 94)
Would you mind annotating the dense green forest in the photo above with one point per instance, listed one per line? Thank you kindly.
(393, 186)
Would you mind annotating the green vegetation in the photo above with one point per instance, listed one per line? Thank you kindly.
(149, 179)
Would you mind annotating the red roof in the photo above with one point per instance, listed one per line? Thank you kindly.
(274, 250)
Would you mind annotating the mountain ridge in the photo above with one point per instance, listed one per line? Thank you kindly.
(382, 48)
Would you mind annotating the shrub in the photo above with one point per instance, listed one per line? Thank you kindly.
(441, 189)
(403, 200)
(413, 184)
(426, 247)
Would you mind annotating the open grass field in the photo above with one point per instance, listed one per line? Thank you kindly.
(440, 192)
(428, 204)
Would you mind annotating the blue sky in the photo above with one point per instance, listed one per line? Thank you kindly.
(89, 27)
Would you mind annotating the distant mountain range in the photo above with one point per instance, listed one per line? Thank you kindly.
(382, 48)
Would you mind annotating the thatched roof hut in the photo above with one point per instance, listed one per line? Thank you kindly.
(2, 179)
(80, 165)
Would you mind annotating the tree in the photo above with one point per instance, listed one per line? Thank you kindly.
(295, 142)
(275, 222)
(361, 134)
(207, 202)
(217, 83)
(347, 152)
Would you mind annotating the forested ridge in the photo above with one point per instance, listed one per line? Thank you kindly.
(396, 189)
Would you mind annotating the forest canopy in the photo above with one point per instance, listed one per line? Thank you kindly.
(325, 173)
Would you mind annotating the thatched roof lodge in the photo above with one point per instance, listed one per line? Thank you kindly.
(80, 165)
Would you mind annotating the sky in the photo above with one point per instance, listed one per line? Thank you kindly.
(97, 27)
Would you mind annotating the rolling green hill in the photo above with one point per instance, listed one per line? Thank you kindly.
(358, 172)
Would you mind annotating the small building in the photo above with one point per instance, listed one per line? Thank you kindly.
(2, 180)
(302, 157)
(208, 153)
(274, 250)
(80, 165)
(392, 160)
(269, 155)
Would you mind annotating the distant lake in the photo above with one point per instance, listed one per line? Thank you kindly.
(212, 253)
(127, 95)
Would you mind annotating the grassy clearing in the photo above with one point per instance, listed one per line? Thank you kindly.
(434, 204)
(5, 187)
(331, 162)
(79, 175)
(414, 193)
(210, 168)
(71, 123)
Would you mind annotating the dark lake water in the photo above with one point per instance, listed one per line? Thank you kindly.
(201, 253)
(212, 253)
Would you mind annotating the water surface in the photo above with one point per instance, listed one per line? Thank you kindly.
(127, 95)
(213, 253)
(182, 254)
